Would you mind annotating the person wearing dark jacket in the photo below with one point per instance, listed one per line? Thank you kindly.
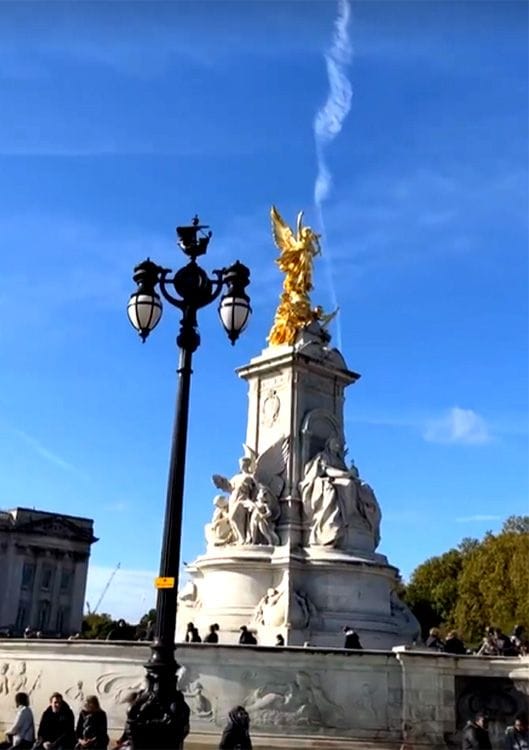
(91, 730)
(212, 636)
(246, 638)
(56, 728)
(236, 735)
(352, 641)
(454, 645)
(517, 736)
(476, 735)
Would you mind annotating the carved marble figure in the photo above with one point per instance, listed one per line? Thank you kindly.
(271, 611)
(242, 488)
(4, 680)
(219, 531)
(335, 499)
(188, 595)
(263, 518)
(253, 502)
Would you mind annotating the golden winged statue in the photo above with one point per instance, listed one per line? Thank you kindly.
(295, 261)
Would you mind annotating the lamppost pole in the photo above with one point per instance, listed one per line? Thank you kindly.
(156, 719)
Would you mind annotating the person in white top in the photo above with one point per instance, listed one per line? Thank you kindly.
(22, 733)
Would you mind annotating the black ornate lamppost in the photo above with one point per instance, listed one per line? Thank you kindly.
(154, 720)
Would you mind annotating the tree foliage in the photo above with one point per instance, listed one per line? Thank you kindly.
(97, 626)
(478, 584)
(433, 589)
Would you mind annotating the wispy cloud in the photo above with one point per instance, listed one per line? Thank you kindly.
(44, 452)
(477, 518)
(130, 594)
(330, 117)
(459, 425)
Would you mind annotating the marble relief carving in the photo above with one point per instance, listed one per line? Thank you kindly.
(76, 693)
(271, 408)
(115, 686)
(189, 682)
(300, 701)
(15, 679)
(272, 610)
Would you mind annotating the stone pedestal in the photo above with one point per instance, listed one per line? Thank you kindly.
(291, 547)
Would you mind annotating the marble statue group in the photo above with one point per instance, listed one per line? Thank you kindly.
(334, 499)
(250, 512)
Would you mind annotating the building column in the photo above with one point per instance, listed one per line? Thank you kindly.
(77, 598)
(55, 593)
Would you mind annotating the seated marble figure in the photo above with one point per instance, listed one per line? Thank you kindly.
(335, 500)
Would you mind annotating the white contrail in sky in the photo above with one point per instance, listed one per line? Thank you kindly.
(330, 117)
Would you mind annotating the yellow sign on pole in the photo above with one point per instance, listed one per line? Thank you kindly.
(164, 582)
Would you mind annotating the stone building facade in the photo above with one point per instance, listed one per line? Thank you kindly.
(44, 565)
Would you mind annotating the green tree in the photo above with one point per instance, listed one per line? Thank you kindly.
(97, 625)
(433, 589)
(494, 585)
(516, 525)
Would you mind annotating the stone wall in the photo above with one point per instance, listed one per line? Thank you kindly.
(296, 697)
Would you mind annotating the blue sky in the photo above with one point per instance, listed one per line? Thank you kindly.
(121, 120)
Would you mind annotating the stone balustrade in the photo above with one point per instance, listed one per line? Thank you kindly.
(296, 697)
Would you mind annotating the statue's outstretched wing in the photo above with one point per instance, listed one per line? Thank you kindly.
(282, 233)
(271, 464)
(251, 454)
(222, 483)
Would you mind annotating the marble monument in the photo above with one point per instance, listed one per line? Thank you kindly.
(292, 544)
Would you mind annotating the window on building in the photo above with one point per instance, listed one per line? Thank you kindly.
(66, 581)
(44, 615)
(28, 576)
(21, 616)
(46, 578)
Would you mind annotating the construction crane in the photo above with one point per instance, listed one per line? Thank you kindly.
(94, 611)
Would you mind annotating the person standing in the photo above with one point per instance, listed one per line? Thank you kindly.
(91, 731)
(517, 736)
(22, 734)
(56, 729)
(476, 734)
(352, 641)
(236, 734)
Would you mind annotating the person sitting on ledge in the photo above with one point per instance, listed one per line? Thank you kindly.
(246, 638)
(236, 735)
(91, 730)
(476, 734)
(192, 635)
(454, 645)
(434, 640)
(489, 647)
(212, 636)
(56, 728)
(352, 641)
(280, 641)
(22, 734)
